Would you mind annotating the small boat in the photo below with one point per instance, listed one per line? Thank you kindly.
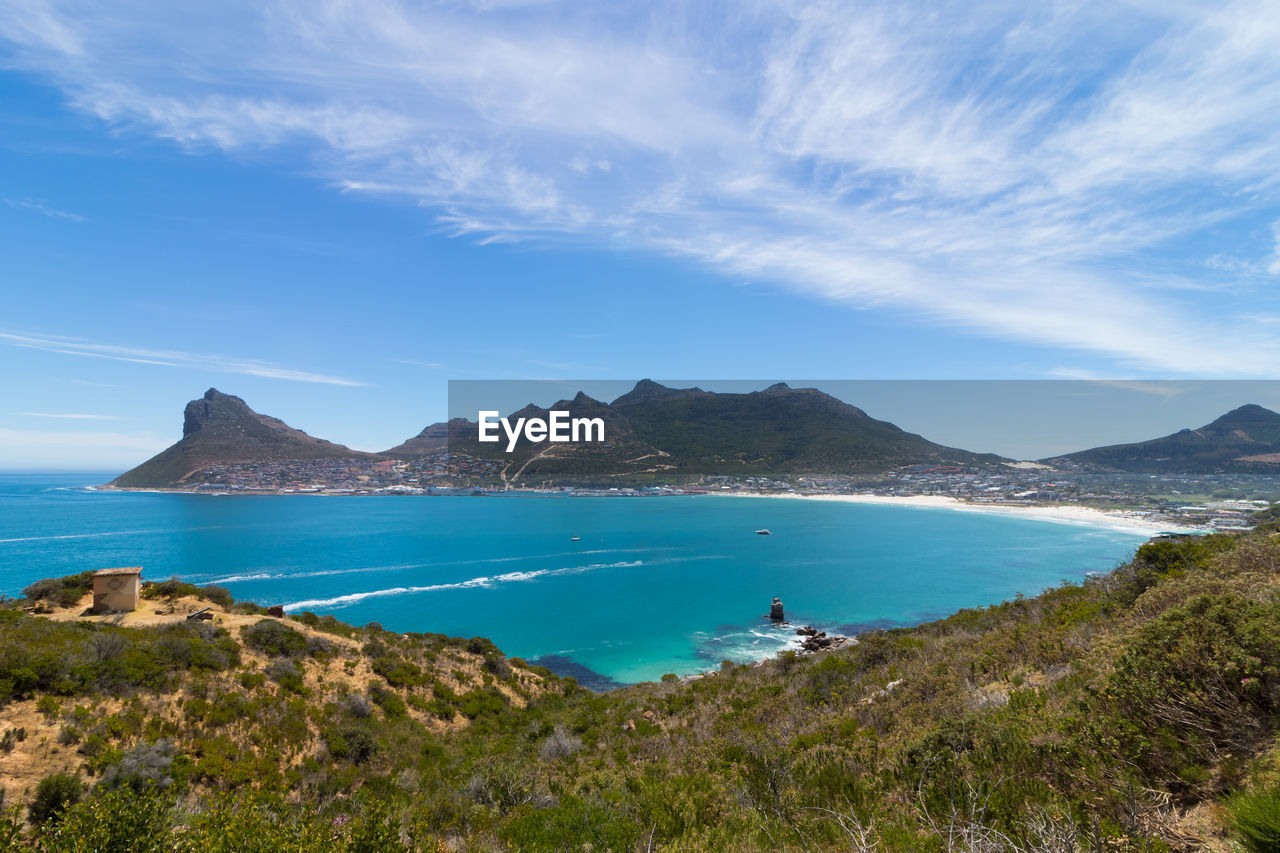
(574, 538)
(764, 531)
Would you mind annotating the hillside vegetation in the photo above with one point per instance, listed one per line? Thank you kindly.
(1133, 712)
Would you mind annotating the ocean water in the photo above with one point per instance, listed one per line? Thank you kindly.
(654, 585)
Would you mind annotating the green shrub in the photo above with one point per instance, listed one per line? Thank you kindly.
(219, 595)
(55, 793)
(275, 639)
(251, 680)
(114, 820)
(145, 766)
(477, 702)
(1198, 680)
(352, 742)
(171, 588)
(481, 646)
(572, 824)
(285, 672)
(63, 592)
(388, 700)
(1256, 819)
(397, 671)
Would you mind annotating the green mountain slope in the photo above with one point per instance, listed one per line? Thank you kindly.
(1246, 439)
(779, 430)
(622, 457)
(661, 434)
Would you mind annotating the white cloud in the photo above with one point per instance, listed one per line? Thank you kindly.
(167, 358)
(1274, 266)
(1040, 174)
(44, 210)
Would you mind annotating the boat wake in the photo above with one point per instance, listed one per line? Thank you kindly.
(509, 577)
(321, 573)
(484, 582)
(105, 533)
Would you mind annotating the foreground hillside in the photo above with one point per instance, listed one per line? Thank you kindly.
(1136, 711)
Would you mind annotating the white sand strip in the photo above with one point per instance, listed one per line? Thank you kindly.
(1128, 522)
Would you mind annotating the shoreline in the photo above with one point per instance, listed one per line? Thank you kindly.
(1122, 520)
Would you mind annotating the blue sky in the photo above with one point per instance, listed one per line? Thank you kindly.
(330, 209)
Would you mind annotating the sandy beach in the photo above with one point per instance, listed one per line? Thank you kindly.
(1113, 519)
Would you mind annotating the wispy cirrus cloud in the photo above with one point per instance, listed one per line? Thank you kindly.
(167, 358)
(44, 209)
(1090, 176)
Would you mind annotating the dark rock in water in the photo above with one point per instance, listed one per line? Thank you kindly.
(817, 641)
(275, 610)
(566, 666)
(775, 610)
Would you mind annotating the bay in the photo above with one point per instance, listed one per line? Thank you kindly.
(653, 585)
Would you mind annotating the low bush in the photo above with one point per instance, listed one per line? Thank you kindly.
(115, 820)
(145, 766)
(1256, 819)
(170, 589)
(62, 592)
(275, 639)
(219, 595)
(54, 794)
(285, 672)
(352, 742)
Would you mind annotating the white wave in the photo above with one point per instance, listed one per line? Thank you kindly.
(105, 533)
(320, 573)
(236, 578)
(285, 575)
(509, 577)
(74, 536)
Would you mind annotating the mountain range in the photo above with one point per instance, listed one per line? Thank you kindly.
(1245, 440)
(657, 434)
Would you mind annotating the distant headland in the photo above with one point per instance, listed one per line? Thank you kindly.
(780, 440)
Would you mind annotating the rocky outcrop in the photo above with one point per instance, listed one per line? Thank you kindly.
(817, 641)
(221, 429)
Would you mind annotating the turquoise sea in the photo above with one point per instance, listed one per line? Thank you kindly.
(654, 585)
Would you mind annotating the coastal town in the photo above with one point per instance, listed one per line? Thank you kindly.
(1219, 501)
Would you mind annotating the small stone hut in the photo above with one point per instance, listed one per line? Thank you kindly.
(117, 589)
